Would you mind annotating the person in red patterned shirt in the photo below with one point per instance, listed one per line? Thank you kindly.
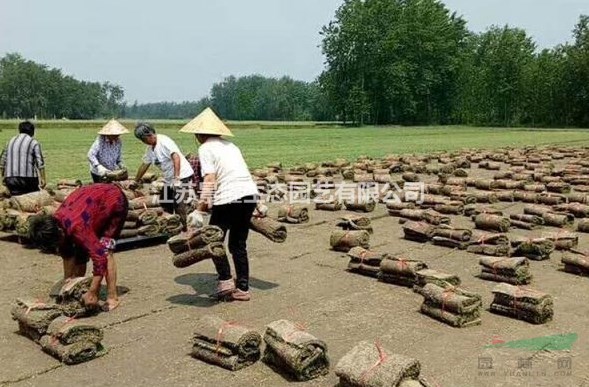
(86, 225)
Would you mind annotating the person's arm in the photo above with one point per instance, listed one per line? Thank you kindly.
(209, 184)
(176, 160)
(3, 162)
(40, 162)
(208, 191)
(98, 252)
(147, 161)
(120, 163)
(42, 178)
(93, 154)
(141, 171)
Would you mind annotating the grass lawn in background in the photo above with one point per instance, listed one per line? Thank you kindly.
(66, 143)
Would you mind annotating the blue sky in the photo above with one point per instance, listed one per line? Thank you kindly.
(175, 50)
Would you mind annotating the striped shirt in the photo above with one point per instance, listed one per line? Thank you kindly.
(22, 157)
(105, 153)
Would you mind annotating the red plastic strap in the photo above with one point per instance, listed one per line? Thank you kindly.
(36, 304)
(497, 262)
(300, 327)
(382, 358)
(482, 239)
(345, 237)
(69, 320)
(219, 338)
(402, 263)
(445, 295)
(363, 255)
(520, 290)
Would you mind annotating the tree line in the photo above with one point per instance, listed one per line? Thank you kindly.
(29, 89)
(405, 62)
(254, 97)
(414, 62)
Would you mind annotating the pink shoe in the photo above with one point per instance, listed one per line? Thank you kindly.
(240, 295)
(224, 288)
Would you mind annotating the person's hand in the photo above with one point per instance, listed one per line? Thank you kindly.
(121, 166)
(90, 299)
(101, 170)
(261, 211)
(202, 206)
(195, 219)
(177, 183)
(42, 184)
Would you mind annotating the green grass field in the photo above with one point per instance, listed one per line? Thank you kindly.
(65, 144)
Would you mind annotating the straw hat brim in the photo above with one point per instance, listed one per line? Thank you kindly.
(113, 128)
(209, 123)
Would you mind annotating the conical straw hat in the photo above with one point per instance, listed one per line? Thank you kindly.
(113, 128)
(207, 122)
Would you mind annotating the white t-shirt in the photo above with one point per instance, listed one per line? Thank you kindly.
(161, 156)
(224, 159)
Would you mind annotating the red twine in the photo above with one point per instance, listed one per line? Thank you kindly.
(220, 333)
(382, 357)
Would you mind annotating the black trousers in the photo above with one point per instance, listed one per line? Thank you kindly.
(21, 185)
(176, 201)
(234, 218)
(96, 178)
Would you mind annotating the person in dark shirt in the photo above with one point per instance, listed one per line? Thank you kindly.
(86, 225)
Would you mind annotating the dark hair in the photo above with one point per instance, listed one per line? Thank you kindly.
(44, 232)
(143, 130)
(26, 127)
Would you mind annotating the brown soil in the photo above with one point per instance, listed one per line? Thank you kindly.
(301, 280)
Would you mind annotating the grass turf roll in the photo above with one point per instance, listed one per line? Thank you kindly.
(226, 344)
(194, 239)
(293, 214)
(370, 365)
(270, 228)
(191, 257)
(294, 351)
(75, 353)
(342, 240)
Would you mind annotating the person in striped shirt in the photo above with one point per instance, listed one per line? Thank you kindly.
(22, 164)
(105, 155)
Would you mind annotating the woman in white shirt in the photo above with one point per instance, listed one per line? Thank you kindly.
(231, 195)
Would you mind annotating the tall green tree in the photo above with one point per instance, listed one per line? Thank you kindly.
(494, 82)
(29, 89)
(392, 61)
(577, 73)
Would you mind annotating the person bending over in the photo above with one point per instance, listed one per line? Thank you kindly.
(86, 224)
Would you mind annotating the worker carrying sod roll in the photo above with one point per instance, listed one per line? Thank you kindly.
(230, 193)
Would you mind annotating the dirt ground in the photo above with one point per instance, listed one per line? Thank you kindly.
(302, 280)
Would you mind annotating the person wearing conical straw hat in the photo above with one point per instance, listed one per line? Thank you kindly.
(105, 154)
(231, 195)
